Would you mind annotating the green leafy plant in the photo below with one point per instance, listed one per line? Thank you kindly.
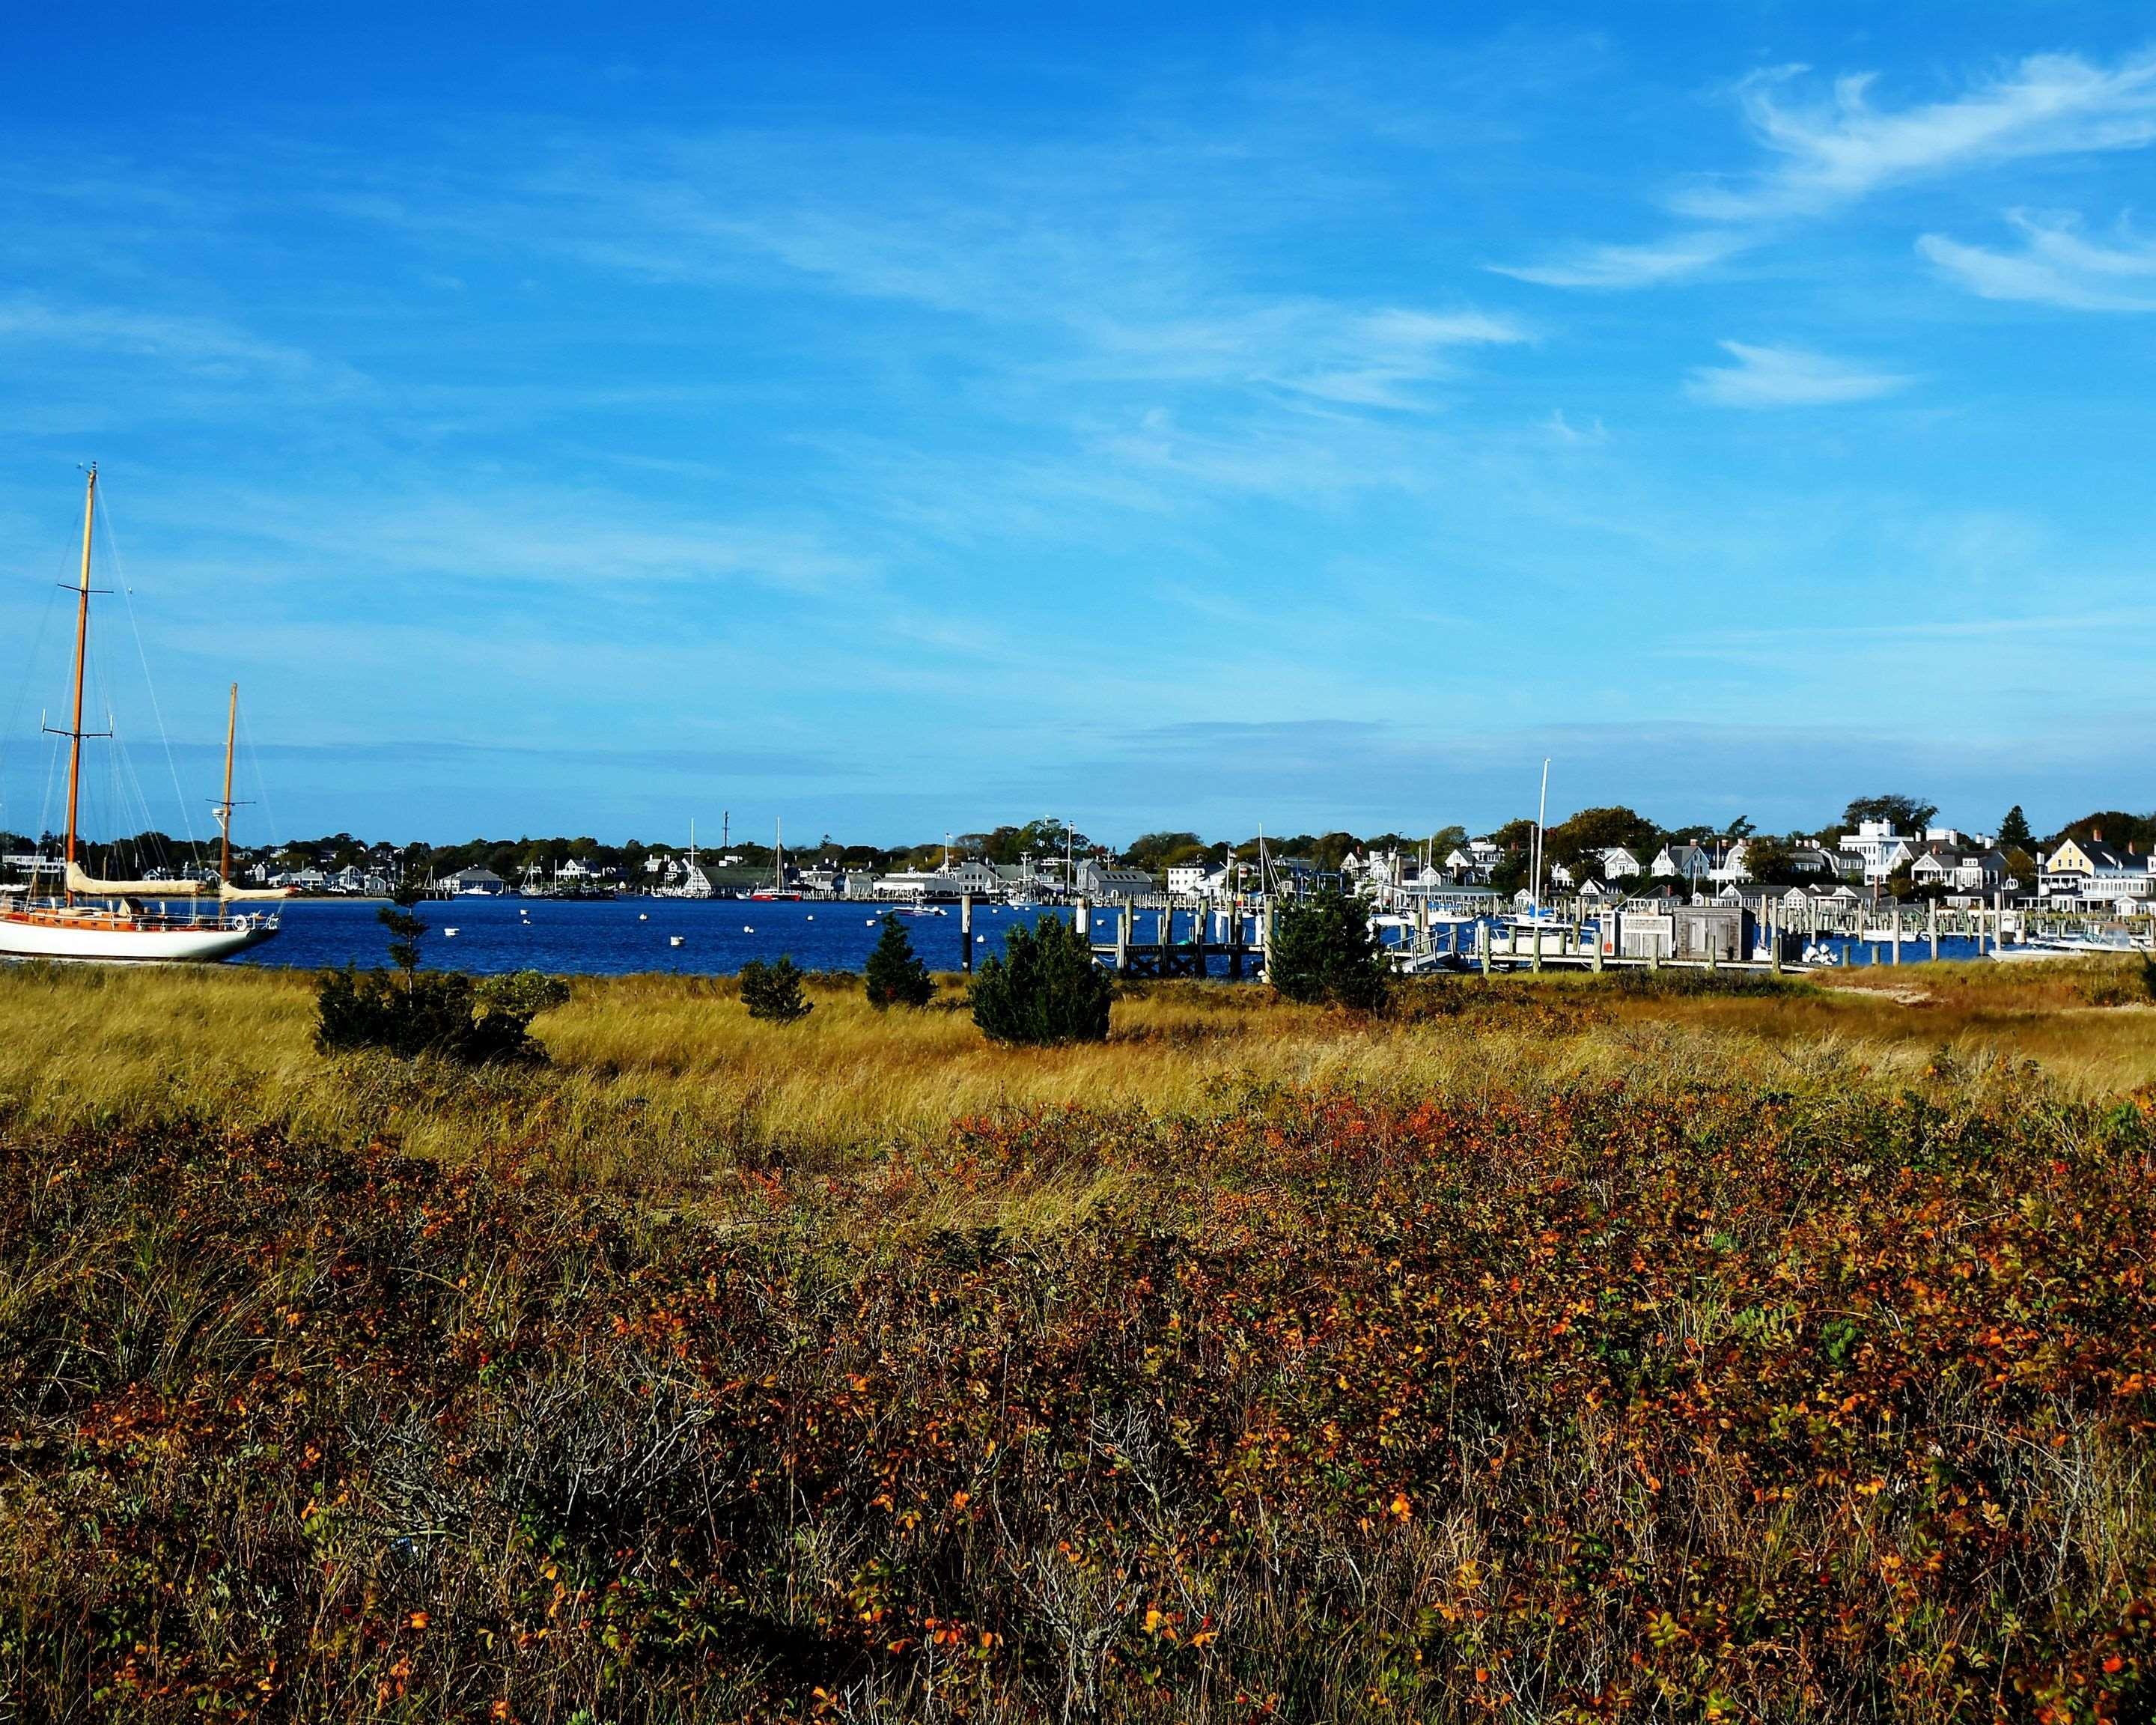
(773, 992)
(405, 926)
(1044, 989)
(895, 975)
(438, 1012)
(412, 1013)
(1324, 951)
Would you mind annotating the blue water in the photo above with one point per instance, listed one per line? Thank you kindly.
(612, 938)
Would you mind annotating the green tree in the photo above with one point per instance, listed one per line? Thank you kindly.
(1593, 831)
(773, 992)
(1333, 850)
(1155, 851)
(1769, 861)
(2013, 834)
(442, 1014)
(1324, 951)
(405, 926)
(1045, 989)
(1907, 814)
(895, 975)
(2109, 826)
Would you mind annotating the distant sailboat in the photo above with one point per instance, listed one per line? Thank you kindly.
(779, 889)
(108, 919)
(695, 883)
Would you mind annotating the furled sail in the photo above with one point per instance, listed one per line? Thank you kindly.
(249, 894)
(78, 882)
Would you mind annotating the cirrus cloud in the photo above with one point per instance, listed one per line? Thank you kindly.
(1787, 378)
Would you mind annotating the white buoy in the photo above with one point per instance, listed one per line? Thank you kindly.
(812, 916)
(980, 940)
(641, 917)
(746, 929)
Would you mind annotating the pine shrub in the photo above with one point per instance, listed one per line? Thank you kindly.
(439, 1013)
(773, 992)
(1325, 953)
(1044, 989)
(895, 975)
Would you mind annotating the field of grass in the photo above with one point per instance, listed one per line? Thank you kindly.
(1554, 1349)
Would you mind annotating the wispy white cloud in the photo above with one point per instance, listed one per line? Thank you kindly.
(1840, 150)
(1787, 378)
(1314, 348)
(1624, 266)
(2055, 266)
(1835, 151)
(199, 345)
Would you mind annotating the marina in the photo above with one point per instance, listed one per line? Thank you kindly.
(709, 937)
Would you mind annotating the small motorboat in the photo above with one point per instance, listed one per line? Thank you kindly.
(673, 940)
(449, 934)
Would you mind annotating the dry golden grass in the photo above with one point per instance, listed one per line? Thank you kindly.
(658, 1081)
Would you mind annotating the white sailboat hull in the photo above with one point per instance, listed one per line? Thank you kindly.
(30, 938)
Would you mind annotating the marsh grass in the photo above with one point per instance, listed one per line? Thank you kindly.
(1549, 1348)
(661, 1083)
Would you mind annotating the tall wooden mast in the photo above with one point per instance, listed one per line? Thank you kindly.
(81, 650)
(224, 807)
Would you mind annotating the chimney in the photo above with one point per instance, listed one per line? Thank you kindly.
(2096, 835)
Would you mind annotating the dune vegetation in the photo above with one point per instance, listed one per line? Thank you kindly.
(1549, 1349)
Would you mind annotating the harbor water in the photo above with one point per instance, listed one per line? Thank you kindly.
(717, 937)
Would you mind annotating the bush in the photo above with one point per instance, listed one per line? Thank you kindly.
(1323, 951)
(441, 1013)
(773, 992)
(1044, 989)
(522, 993)
(2128, 987)
(894, 976)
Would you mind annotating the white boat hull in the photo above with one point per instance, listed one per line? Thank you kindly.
(36, 938)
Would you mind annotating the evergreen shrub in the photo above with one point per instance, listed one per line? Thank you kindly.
(895, 975)
(773, 992)
(1044, 989)
(1324, 951)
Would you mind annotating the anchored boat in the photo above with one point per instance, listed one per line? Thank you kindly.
(114, 919)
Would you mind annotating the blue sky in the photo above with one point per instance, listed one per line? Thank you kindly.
(582, 419)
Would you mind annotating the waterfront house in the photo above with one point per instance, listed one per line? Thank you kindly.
(1619, 864)
(1098, 881)
(475, 881)
(1681, 862)
(1959, 871)
(1817, 860)
(1188, 879)
(2096, 873)
(1879, 848)
(1731, 865)
(1475, 861)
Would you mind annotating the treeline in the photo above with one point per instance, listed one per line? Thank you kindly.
(1581, 835)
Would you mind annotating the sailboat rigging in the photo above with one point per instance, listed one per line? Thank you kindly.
(116, 923)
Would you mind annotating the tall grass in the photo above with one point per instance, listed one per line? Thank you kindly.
(657, 1082)
(1553, 1348)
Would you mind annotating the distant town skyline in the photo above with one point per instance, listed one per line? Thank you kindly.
(1192, 418)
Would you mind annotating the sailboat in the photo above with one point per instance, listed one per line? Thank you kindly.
(110, 920)
(779, 889)
(695, 883)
